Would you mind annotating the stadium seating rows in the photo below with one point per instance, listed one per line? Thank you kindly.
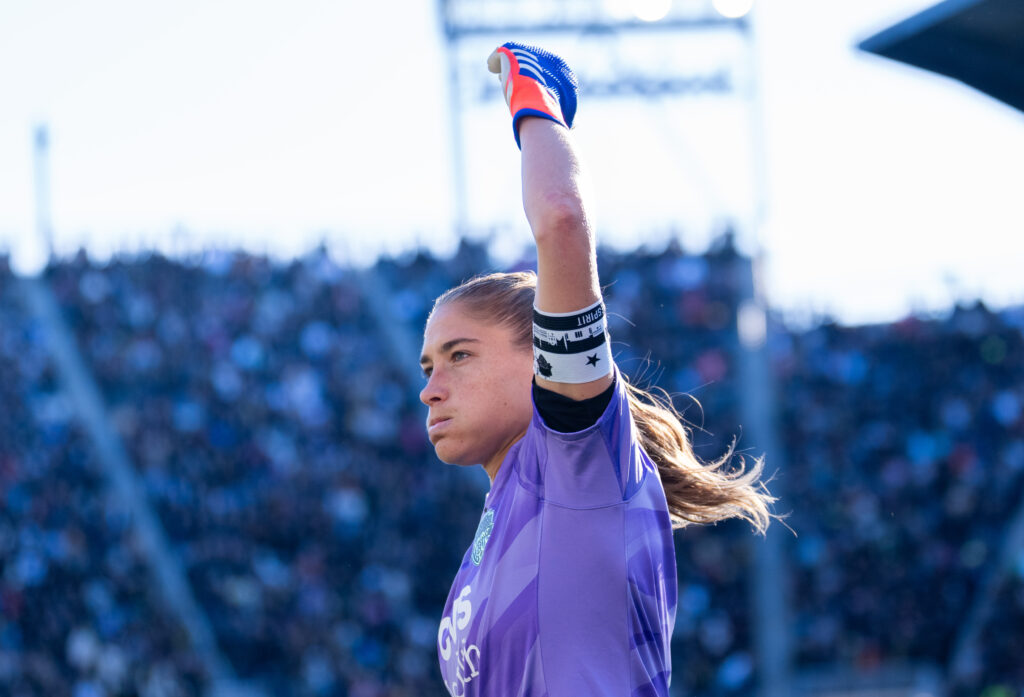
(77, 613)
(288, 464)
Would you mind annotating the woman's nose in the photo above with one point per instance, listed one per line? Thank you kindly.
(433, 391)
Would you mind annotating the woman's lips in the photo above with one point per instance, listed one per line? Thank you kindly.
(437, 424)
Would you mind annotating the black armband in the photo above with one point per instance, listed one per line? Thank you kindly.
(565, 415)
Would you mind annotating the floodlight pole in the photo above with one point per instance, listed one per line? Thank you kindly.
(455, 123)
(44, 225)
(564, 18)
(769, 586)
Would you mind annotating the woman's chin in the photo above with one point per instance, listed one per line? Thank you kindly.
(447, 454)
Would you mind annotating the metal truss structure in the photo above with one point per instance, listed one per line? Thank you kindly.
(690, 51)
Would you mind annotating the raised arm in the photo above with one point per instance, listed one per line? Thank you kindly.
(541, 92)
(566, 254)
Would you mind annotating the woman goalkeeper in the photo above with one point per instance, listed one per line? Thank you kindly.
(569, 587)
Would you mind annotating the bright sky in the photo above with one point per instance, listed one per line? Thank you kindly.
(225, 122)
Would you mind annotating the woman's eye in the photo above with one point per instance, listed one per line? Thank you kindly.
(458, 356)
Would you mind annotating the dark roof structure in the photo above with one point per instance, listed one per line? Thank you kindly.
(979, 42)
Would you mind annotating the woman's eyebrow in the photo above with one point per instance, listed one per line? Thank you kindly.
(448, 346)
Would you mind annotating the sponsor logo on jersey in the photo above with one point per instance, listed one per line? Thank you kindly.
(483, 533)
(451, 641)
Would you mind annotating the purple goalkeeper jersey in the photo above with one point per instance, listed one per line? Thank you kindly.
(569, 587)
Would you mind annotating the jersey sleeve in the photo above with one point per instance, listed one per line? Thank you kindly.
(601, 465)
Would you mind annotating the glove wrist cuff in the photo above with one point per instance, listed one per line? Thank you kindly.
(530, 98)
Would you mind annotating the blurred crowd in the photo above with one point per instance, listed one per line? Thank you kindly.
(78, 615)
(286, 457)
(272, 414)
(998, 665)
(906, 464)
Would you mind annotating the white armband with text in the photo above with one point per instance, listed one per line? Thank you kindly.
(571, 347)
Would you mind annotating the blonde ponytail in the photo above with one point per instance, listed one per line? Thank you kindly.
(697, 492)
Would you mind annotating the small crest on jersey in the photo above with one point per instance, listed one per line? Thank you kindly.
(483, 533)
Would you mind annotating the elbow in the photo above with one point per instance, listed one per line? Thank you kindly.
(559, 218)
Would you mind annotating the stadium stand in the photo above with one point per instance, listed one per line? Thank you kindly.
(285, 454)
(906, 447)
(287, 462)
(79, 615)
(999, 668)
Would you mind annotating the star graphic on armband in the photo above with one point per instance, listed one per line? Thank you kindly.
(592, 360)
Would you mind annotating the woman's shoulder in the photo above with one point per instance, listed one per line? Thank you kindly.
(588, 466)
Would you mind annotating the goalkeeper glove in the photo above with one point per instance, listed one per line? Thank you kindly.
(535, 83)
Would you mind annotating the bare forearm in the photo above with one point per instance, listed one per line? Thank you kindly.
(554, 202)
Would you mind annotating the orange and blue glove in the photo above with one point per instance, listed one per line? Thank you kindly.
(535, 83)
